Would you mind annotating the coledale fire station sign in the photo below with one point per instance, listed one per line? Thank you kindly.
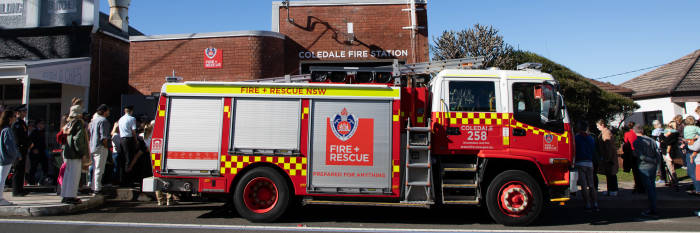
(354, 54)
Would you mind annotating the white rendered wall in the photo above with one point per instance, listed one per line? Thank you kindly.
(690, 106)
(668, 109)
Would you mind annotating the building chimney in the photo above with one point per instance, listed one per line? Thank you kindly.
(119, 14)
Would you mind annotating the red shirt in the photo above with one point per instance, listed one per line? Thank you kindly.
(61, 138)
(630, 136)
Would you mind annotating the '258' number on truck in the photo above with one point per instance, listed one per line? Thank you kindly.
(476, 135)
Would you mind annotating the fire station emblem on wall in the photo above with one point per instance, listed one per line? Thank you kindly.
(212, 58)
(344, 125)
(210, 52)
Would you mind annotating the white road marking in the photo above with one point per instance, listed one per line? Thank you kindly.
(261, 228)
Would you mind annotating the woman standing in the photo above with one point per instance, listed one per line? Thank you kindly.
(8, 150)
(671, 151)
(607, 152)
(74, 150)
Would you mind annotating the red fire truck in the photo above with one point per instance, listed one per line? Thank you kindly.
(369, 136)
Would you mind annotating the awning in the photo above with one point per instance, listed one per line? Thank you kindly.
(72, 71)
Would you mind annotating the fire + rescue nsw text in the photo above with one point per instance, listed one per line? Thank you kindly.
(283, 90)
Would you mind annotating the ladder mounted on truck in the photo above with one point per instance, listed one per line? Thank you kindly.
(395, 71)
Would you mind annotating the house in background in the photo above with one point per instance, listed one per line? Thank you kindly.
(609, 87)
(667, 91)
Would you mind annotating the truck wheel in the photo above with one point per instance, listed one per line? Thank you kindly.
(514, 198)
(262, 195)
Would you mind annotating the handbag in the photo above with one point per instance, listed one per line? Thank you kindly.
(573, 181)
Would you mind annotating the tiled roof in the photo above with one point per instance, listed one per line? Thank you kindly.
(609, 87)
(682, 75)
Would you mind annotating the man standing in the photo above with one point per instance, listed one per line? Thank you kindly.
(99, 143)
(19, 128)
(629, 159)
(127, 132)
(37, 154)
(585, 155)
(648, 159)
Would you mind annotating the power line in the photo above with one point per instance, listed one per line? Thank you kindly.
(646, 68)
(637, 70)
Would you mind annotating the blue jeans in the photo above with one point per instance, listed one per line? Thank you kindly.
(116, 176)
(691, 171)
(647, 171)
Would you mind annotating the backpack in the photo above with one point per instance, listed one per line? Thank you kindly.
(76, 143)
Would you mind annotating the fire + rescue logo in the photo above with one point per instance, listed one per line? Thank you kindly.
(548, 138)
(549, 143)
(344, 125)
(210, 52)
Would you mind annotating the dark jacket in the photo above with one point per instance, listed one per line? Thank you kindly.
(672, 141)
(19, 128)
(38, 138)
(76, 141)
(646, 150)
(8, 148)
(585, 148)
(607, 152)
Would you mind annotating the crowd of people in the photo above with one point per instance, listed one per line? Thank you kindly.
(645, 155)
(93, 153)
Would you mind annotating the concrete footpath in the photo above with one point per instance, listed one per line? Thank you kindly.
(46, 204)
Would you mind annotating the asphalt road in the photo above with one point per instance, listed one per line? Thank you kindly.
(618, 215)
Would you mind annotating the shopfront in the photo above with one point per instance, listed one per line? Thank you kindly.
(45, 86)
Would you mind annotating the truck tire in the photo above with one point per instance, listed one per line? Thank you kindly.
(261, 195)
(514, 198)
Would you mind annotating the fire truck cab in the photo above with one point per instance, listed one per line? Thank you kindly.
(495, 138)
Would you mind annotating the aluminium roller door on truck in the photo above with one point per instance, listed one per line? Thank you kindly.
(267, 124)
(194, 133)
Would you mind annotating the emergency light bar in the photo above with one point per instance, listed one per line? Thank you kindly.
(529, 65)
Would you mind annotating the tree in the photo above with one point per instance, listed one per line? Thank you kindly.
(584, 100)
(478, 41)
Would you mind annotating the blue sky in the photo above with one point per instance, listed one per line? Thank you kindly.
(594, 38)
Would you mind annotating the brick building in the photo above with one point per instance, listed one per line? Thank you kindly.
(333, 33)
(245, 55)
(54, 50)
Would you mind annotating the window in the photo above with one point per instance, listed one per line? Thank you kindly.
(649, 117)
(472, 96)
(538, 105)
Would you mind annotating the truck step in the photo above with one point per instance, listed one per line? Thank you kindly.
(458, 167)
(418, 165)
(463, 200)
(418, 183)
(419, 129)
(366, 203)
(412, 147)
(458, 183)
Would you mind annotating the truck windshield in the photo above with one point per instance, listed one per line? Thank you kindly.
(472, 96)
(539, 105)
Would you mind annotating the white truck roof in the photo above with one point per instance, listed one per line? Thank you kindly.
(494, 73)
